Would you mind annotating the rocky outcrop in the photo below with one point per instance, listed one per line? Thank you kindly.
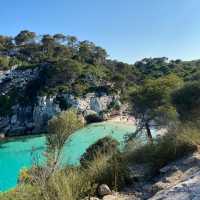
(33, 118)
(91, 102)
(104, 190)
(180, 180)
(16, 78)
(45, 108)
(188, 189)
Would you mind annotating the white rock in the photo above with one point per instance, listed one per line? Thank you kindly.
(104, 190)
(186, 190)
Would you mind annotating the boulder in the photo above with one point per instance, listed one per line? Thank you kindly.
(2, 136)
(168, 168)
(104, 190)
(4, 121)
(90, 112)
(185, 190)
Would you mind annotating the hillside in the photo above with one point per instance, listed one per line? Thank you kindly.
(41, 75)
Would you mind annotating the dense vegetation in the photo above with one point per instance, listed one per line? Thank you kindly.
(72, 66)
(65, 65)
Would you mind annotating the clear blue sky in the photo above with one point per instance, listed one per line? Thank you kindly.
(128, 29)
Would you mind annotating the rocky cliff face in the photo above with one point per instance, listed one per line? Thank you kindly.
(16, 78)
(33, 118)
(179, 180)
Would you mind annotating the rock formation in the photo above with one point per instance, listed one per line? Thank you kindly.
(33, 117)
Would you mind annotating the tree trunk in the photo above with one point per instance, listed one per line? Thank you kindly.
(149, 135)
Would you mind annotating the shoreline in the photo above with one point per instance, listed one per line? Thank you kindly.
(125, 119)
(128, 120)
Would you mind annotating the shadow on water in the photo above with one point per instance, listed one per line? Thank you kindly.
(20, 138)
(23, 139)
(2, 146)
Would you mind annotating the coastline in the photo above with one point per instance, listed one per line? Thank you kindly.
(125, 119)
(130, 120)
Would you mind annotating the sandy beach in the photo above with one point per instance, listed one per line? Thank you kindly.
(130, 120)
(123, 119)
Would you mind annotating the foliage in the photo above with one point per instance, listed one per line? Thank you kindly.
(5, 43)
(64, 61)
(24, 37)
(108, 169)
(104, 146)
(82, 66)
(6, 102)
(158, 67)
(7, 62)
(152, 105)
(25, 176)
(66, 65)
(175, 144)
(187, 101)
(4, 62)
(73, 183)
(60, 128)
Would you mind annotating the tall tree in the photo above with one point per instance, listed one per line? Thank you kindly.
(25, 37)
(187, 101)
(86, 51)
(100, 55)
(151, 103)
(6, 42)
(72, 44)
(60, 38)
(48, 44)
(60, 128)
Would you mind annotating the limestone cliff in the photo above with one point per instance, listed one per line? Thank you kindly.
(32, 117)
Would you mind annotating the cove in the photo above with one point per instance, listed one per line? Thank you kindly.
(24, 151)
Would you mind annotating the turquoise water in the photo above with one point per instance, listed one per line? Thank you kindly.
(23, 152)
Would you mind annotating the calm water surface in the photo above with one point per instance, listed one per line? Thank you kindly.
(23, 152)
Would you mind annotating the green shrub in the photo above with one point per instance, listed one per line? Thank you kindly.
(4, 63)
(72, 183)
(164, 149)
(5, 104)
(22, 192)
(108, 170)
(104, 146)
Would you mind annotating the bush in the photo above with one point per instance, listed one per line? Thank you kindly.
(60, 127)
(104, 146)
(110, 170)
(73, 183)
(22, 192)
(5, 104)
(186, 100)
(4, 63)
(164, 150)
(25, 176)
